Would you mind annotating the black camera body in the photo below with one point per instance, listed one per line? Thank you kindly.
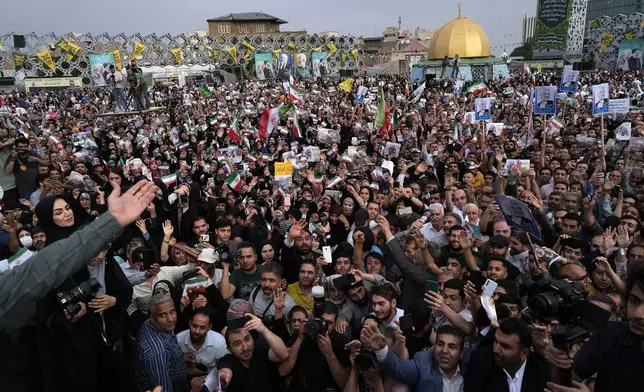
(316, 326)
(365, 360)
(23, 155)
(566, 301)
(71, 300)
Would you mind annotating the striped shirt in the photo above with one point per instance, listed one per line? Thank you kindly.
(159, 359)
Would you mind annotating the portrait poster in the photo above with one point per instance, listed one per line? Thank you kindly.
(483, 108)
(546, 100)
(99, 67)
(284, 65)
(569, 81)
(500, 71)
(319, 64)
(264, 66)
(629, 56)
(601, 98)
(303, 66)
(623, 132)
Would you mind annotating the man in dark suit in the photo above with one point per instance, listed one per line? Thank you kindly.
(509, 361)
(268, 71)
(323, 70)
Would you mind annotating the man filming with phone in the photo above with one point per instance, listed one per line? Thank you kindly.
(116, 80)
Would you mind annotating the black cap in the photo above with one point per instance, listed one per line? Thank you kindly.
(499, 240)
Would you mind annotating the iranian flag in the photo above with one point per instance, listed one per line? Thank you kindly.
(169, 179)
(163, 168)
(234, 181)
(382, 118)
(555, 123)
(297, 131)
(268, 122)
(334, 182)
(295, 95)
(318, 179)
(183, 146)
(477, 88)
(235, 124)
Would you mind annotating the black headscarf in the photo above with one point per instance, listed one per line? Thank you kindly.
(45, 214)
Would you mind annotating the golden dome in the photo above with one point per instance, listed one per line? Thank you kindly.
(461, 36)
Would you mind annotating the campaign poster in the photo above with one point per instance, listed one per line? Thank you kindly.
(284, 65)
(99, 67)
(264, 66)
(629, 57)
(500, 71)
(569, 81)
(546, 100)
(319, 64)
(483, 108)
(465, 73)
(303, 66)
(553, 21)
(601, 98)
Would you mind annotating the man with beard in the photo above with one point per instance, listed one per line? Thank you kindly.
(298, 244)
(508, 364)
(241, 282)
(201, 346)
(263, 297)
(440, 368)
(383, 304)
(300, 291)
(453, 246)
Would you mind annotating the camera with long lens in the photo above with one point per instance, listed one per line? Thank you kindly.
(317, 325)
(23, 155)
(566, 301)
(72, 299)
(223, 254)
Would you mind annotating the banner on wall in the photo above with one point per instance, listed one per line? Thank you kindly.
(500, 71)
(264, 66)
(553, 21)
(319, 64)
(629, 56)
(32, 83)
(99, 64)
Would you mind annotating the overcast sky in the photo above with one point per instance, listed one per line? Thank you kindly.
(500, 18)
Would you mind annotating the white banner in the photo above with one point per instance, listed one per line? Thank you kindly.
(619, 106)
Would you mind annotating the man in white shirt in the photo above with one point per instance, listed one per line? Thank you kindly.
(116, 80)
(201, 346)
(142, 292)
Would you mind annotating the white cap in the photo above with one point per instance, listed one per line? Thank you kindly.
(317, 291)
(207, 256)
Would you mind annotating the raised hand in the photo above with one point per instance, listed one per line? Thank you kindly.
(297, 228)
(168, 229)
(127, 207)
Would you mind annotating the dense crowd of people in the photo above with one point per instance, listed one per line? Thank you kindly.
(406, 247)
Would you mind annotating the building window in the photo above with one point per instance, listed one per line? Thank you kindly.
(261, 28)
(243, 28)
(224, 29)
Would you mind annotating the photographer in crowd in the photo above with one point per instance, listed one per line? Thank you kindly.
(460, 256)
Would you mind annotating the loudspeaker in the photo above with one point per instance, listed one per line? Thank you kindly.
(346, 73)
(19, 41)
(7, 81)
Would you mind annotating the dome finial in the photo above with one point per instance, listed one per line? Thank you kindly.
(459, 11)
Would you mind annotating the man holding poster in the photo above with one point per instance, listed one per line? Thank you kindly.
(482, 106)
(600, 98)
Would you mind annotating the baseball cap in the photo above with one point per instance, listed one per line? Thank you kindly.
(207, 256)
(238, 308)
(499, 240)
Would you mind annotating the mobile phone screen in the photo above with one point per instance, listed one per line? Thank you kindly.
(431, 285)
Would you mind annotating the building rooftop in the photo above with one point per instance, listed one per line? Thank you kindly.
(247, 16)
(413, 47)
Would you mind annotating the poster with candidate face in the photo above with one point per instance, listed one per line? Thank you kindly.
(264, 66)
(569, 81)
(546, 100)
(629, 57)
(483, 108)
(303, 66)
(601, 96)
(319, 64)
(284, 65)
(99, 64)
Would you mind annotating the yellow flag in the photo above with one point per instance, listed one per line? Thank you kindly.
(45, 57)
(346, 85)
(249, 50)
(277, 52)
(19, 60)
(139, 48)
(318, 49)
(291, 46)
(332, 49)
(539, 67)
(343, 57)
(178, 55)
(232, 51)
(628, 36)
(606, 41)
(117, 60)
(362, 42)
(354, 52)
(215, 52)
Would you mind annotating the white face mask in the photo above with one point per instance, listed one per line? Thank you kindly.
(26, 241)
